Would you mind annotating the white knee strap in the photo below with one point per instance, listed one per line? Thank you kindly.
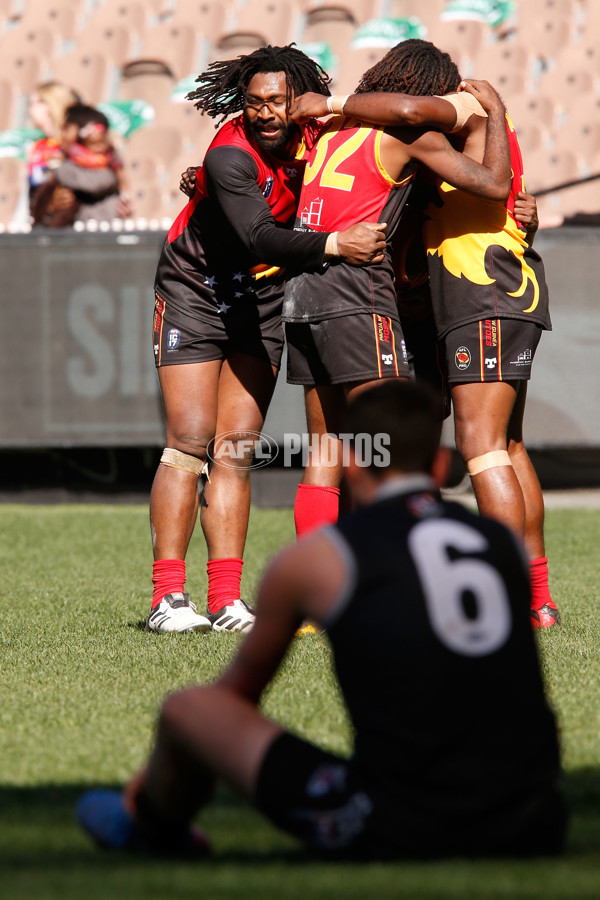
(488, 461)
(178, 460)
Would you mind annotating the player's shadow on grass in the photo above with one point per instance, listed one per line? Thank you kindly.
(45, 833)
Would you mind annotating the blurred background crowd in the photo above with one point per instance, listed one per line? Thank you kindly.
(128, 66)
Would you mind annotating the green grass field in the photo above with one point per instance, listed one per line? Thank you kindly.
(82, 681)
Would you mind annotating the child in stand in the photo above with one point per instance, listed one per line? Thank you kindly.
(91, 172)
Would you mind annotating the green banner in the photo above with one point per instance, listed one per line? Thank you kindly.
(16, 141)
(388, 32)
(321, 53)
(492, 12)
(126, 116)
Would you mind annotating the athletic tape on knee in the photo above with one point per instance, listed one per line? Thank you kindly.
(178, 460)
(488, 461)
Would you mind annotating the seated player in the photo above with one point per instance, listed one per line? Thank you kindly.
(438, 769)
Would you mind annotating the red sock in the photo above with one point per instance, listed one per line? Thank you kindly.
(315, 506)
(224, 577)
(540, 592)
(168, 577)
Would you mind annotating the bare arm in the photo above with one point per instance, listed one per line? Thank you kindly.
(98, 182)
(382, 109)
(491, 179)
(303, 581)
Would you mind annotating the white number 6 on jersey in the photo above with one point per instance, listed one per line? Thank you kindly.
(445, 582)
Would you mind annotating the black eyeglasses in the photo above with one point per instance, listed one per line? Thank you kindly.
(273, 104)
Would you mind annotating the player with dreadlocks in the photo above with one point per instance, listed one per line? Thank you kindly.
(488, 293)
(342, 325)
(413, 67)
(218, 335)
(223, 87)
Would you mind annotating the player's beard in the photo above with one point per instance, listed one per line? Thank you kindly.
(271, 145)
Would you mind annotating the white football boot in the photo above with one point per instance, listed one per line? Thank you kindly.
(176, 613)
(236, 616)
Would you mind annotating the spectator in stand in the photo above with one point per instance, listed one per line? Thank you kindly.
(48, 105)
(88, 182)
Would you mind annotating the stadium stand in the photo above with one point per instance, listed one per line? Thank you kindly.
(352, 65)
(235, 43)
(11, 177)
(543, 58)
(333, 24)
(175, 43)
(8, 99)
(147, 79)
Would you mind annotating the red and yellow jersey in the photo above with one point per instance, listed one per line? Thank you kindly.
(480, 264)
(345, 182)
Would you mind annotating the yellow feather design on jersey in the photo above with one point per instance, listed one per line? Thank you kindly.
(467, 227)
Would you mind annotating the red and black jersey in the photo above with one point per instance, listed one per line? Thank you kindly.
(236, 229)
(480, 265)
(345, 182)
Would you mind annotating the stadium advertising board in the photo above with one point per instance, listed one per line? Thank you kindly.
(77, 367)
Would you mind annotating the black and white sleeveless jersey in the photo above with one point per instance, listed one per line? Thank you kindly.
(438, 666)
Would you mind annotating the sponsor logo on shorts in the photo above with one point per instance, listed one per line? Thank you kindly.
(404, 351)
(268, 187)
(491, 333)
(173, 338)
(326, 778)
(159, 308)
(491, 363)
(387, 359)
(462, 358)
(383, 330)
(523, 359)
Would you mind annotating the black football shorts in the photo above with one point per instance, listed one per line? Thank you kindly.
(315, 796)
(234, 324)
(323, 800)
(491, 350)
(346, 349)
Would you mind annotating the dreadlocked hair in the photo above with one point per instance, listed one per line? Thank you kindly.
(412, 67)
(222, 88)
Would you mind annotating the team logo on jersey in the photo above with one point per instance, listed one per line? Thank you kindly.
(173, 338)
(421, 505)
(462, 358)
(268, 187)
(311, 215)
